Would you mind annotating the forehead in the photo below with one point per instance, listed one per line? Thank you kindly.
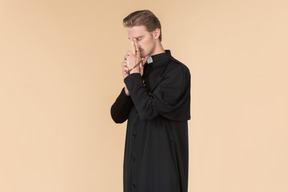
(136, 31)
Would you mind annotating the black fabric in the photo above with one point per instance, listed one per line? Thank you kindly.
(156, 146)
(121, 108)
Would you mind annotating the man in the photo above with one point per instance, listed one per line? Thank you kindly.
(156, 102)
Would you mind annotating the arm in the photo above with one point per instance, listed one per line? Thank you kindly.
(171, 98)
(121, 107)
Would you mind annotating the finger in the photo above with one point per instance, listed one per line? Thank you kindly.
(136, 46)
(133, 46)
(127, 55)
(124, 64)
(145, 59)
(125, 68)
(141, 67)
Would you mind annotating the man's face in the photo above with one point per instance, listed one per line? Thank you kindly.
(145, 40)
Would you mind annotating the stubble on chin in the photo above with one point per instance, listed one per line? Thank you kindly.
(143, 55)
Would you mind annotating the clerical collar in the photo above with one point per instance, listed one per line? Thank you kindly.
(159, 59)
(149, 60)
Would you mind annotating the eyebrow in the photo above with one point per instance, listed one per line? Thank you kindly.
(137, 37)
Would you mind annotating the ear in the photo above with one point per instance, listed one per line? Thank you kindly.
(156, 33)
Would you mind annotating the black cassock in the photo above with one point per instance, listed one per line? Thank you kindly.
(156, 146)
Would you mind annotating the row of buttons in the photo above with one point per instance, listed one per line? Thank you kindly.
(133, 158)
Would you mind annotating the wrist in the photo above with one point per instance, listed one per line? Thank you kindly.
(126, 91)
(135, 70)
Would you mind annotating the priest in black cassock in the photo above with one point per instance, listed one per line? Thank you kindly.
(156, 103)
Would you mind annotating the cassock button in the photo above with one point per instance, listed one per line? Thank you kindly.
(133, 135)
(144, 82)
(133, 186)
(133, 158)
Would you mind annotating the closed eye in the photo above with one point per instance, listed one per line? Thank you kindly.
(139, 38)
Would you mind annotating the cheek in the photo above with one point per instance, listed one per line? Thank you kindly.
(144, 44)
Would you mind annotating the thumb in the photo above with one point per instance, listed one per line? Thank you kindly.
(141, 68)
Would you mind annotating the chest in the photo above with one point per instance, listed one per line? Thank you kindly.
(152, 77)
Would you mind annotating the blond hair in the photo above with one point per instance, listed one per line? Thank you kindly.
(143, 17)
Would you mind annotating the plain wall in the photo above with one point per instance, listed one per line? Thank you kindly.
(60, 73)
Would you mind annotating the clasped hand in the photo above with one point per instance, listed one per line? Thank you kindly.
(133, 63)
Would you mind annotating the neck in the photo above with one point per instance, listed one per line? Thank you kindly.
(158, 49)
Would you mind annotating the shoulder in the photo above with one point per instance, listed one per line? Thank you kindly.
(177, 68)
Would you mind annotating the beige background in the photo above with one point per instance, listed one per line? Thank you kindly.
(60, 73)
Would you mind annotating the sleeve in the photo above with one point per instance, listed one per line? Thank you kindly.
(171, 97)
(121, 107)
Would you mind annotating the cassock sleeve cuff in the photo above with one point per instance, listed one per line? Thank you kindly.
(123, 96)
(133, 81)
